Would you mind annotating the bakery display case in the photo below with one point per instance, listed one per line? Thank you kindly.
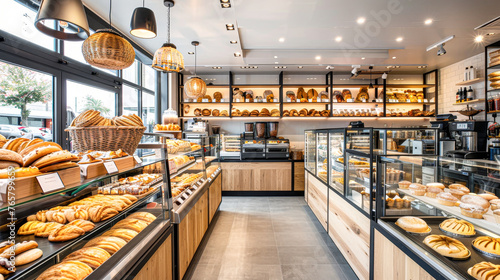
(322, 156)
(101, 227)
(230, 146)
(310, 151)
(444, 210)
(419, 141)
(336, 155)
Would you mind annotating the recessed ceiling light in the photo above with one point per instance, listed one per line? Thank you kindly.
(489, 34)
(229, 26)
(300, 67)
(318, 57)
(338, 38)
(216, 67)
(279, 67)
(361, 20)
(389, 67)
(237, 54)
(281, 40)
(479, 38)
(428, 21)
(224, 1)
(363, 58)
(397, 66)
(329, 67)
(233, 42)
(275, 62)
(275, 56)
(225, 5)
(399, 39)
(190, 52)
(422, 66)
(393, 57)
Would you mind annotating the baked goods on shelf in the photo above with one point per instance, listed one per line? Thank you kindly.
(143, 216)
(488, 245)
(74, 270)
(46, 229)
(131, 223)
(417, 189)
(93, 118)
(19, 248)
(485, 271)
(10, 158)
(404, 185)
(459, 227)
(472, 210)
(28, 256)
(65, 233)
(109, 243)
(91, 256)
(6, 266)
(446, 199)
(29, 228)
(125, 234)
(413, 224)
(476, 200)
(447, 246)
(168, 127)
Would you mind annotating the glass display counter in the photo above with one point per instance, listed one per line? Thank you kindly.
(310, 151)
(322, 156)
(337, 153)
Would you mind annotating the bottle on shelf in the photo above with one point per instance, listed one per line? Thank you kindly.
(472, 73)
(457, 97)
(470, 94)
(466, 74)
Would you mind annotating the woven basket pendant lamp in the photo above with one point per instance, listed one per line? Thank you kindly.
(168, 58)
(107, 49)
(195, 87)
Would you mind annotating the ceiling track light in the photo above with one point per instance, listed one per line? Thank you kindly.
(233, 42)
(229, 27)
(435, 45)
(441, 51)
(216, 67)
(237, 54)
(225, 4)
(190, 52)
(300, 67)
(249, 67)
(279, 67)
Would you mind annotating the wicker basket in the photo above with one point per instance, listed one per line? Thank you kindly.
(106, 138)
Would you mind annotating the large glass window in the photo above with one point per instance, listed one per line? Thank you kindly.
(25, 100)
(148, 110)
(148, 77)
(81, 97)
(130, 100)
(131, 73)
(19, 20)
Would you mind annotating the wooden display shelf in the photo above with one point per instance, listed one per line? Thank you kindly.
(493, 112)
(339, 86)
(350, 103)
(203, 117)
(469, 102)
(210, 103)
(305, 86)
(307, 103)
(241, 103)
(408, 86)
(411, 103)
(470, 82)
(96, 169)
(255, 86)
(213, 86)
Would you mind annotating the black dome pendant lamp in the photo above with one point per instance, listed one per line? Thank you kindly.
(70, 14)
(143, 23)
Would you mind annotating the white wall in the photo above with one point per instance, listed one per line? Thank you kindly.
(451, 75)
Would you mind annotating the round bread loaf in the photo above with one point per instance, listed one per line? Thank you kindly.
(472, 210)
(475, 200)
(436, 185)
(459, 187)
(417, 189)
(447, 199)
(488, 196)
(404, 185)
(413, 224)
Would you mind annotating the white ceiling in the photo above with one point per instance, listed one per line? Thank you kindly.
(310, 27)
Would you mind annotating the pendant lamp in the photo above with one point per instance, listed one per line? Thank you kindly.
(107, 49)
(143, 23)
(195, 87)
(69, 13)
(168, 58)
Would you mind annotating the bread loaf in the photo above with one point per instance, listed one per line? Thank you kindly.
(29, 228)
(19, 248)
(83, 224)
(125, 234)
(46, 229)
(487, 244)
(144, 216)
(28, 256)
(447, 246)
(91, 256)
(109, 243)
(101, 213)
(456, 226)
(476, 200)
(65, 233)
(130, 223)
(69, 270)
(413, 224)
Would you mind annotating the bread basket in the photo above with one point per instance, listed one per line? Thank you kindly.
(106, 138)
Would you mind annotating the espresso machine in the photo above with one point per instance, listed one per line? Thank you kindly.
(442, 123)
(471, 139)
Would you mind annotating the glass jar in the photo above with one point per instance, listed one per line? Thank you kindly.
(260, 129)
(497, 102)
(170, 116)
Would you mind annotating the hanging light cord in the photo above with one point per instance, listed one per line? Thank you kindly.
(195, 55)
(143, 3)
(110, 25)
(168, 26)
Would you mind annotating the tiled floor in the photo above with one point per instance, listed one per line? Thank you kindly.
(268, 238)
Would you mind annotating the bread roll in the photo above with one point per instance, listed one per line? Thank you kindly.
(37, 151)
(413, 224)
(19, 248)
(109, 243)
(435, 185)
(73, 270)
(459, 187)
(472, 210)
(83, 224)
(447, 199)
(417, 189)
(101, 213)
(488, 196)
(476, 200)
(91, 256)
(11, 156)
(433, 191)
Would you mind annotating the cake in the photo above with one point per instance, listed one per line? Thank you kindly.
(417, 189)
(433, 191)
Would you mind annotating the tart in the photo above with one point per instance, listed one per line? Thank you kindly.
(447, 246)
(487, 245)
(459, 227)
(484, 271)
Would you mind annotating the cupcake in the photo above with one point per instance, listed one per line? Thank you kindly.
(404, 185)
(389, 201)
(417, 189)
(447, 199)
(433, 191)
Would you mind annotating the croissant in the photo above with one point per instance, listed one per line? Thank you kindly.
(66, 270)
(91, 256)
(101, 213)
(65, 233)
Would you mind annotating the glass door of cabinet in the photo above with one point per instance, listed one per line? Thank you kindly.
(322, 156)
(337, 167)
(359, 177)
(310, 150)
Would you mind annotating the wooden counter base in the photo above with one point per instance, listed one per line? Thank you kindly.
(257, 176)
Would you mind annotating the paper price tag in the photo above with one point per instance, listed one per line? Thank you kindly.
(111, 167)
(420, 101)
(238, 100)
(83, 169)
(204, 100)
(275, 100)
(310, 100)
(350, 100)
(194, 187)
(188, 191)
(335, 101)
(137, 159)
(363, 100)
(50, 182)
(325, 100)
(222, 100)
(408, 100)
(288, 100)
(425, 100)
(180, 201)
(247, 100)
(185, 196)
(187, 100)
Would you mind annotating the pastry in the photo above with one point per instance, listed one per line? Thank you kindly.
(130, 197)
(456, 226)
(413, 224)
(215, 112)
(28, 256)
(447, 199)
(484, 271)
(83, 224)
(494, 204)
(91, 256)
(224, 113)
(206, 112)
(476, 200)
(433, 191)
(69, 270)
(19, 248)
(73, 214)
(218, 96)
(38, 151)
(398, 202)
(109, 243)
(55, 216)
(65, 233)
(29, 228)
(4, 245)
(53, 158)
(459, 187)
(487, 244)
(125, 234)
(417, 189)
(447, 246)
(197, 112)
(301, 94)
(6, 266)
(45, 229)
(435, 185)
(472, 210)
(143, 216)
(404, 185)
(488, 196)
(456, 193)
(130, 223)
(101, 212)
(19, 172)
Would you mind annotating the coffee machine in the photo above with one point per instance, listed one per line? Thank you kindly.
(471, 139)
(442, 123)
(260, 141)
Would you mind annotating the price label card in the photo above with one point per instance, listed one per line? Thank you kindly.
(288, 100)
(187, 100)
(310, 100)
(83, 169)
(325, 100)
(194, 187)
(275, 100)
(425, 100)
(179, 201)
(222, 100)
(204, 100)
(335, 101)
(238, 100)
(420, 101)
(350, 100)
(185, 196)
(408, 100)
(363, 100)
(209, 180)
(137, 159)
(110, 167)
(188, 191)
(50, 182)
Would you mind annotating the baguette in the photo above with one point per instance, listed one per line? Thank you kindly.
(70, 270)
(19, 248)
(37, 151)
(28, 256)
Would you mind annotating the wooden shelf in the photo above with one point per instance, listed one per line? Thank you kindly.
(470, 82)
(213, 86)
(298, 103)
(339, 86)
(469, 102)
(408, 86)
(205, 103)
(493, 112)
(411, 103)
(306, 86)
(255, 86)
